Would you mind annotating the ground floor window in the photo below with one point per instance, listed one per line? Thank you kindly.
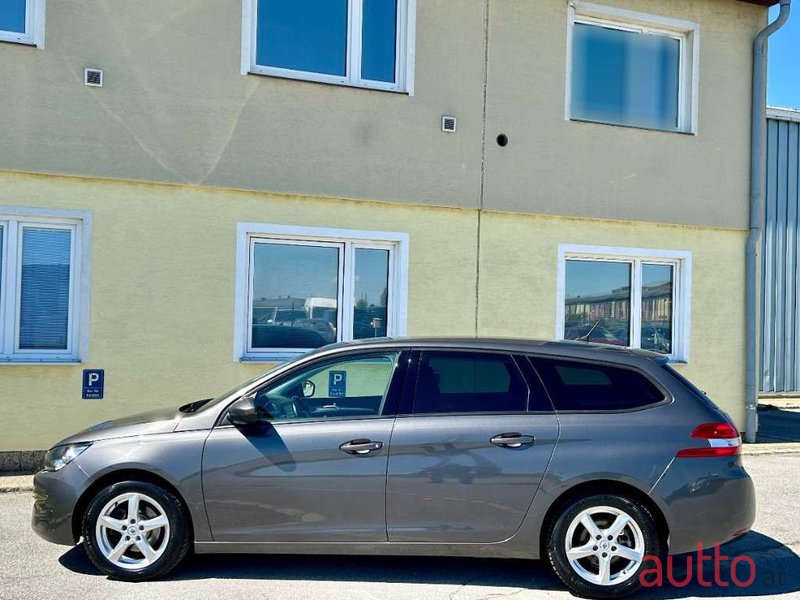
(43, 257)
(625, 297)
(301, 288)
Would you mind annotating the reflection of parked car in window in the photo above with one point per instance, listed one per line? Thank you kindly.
(283, 336)
(594, 333)
(657, 338)
(321, 326)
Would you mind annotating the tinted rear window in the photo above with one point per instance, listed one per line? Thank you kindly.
(456, 382)
(577, 385)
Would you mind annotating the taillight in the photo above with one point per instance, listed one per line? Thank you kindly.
(723, 440)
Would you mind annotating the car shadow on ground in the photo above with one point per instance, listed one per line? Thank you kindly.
(776, 426)
(777, 570)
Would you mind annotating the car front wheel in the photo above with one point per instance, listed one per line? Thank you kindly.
(598, 544)
(135, 531)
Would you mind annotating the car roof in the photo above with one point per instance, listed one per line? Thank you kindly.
(564, 348)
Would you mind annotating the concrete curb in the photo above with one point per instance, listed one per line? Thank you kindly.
(16, 483)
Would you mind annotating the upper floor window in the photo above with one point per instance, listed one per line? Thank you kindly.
(361, 43)
(43, 264)
(625, 297)
(632, 69)
(22, 21)
(301, 287)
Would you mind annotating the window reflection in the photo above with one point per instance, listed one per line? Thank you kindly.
(371, 293)
(295, 295)
(657, 286)
(597, 302)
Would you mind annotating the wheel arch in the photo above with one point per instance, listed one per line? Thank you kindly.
(601, 486)
(128, 474)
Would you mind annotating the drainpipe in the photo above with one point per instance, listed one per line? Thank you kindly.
(757, 162)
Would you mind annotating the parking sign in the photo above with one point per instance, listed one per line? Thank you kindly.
(93, 382)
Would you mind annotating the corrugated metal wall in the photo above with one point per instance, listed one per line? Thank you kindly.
(780, 350)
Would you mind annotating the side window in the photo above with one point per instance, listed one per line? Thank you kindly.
(577, 385)
(462, 382)
(354, 387)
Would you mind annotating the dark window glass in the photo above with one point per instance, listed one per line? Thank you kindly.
(294, 295)
(379, 40)
(306, 36)
(657, 285)
(458, 382)
(371, 293)
(625, 77)
(12, 16)
(584, 386)
(597, 303)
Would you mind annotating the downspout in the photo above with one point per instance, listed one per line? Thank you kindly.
(757, 167)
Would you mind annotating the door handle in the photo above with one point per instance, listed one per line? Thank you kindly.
(512, 440)
(360, 446)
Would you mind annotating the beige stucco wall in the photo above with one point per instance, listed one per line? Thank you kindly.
(162, 293)
(176, 108)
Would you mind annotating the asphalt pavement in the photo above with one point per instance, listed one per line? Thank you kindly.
(31, 568)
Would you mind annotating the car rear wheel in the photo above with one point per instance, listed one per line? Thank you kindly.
(598, 544)
(135, 531)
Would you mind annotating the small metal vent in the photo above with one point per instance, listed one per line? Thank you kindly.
(93, 77)
(448, 124)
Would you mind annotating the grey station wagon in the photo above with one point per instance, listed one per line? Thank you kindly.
(590, 457)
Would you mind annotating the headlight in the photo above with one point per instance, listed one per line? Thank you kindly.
(59, 457)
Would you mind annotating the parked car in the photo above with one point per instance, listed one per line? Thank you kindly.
(588, 456)
(286, 336)
(596, 334)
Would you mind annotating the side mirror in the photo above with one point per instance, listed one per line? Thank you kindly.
(243, 411)
(308, 388)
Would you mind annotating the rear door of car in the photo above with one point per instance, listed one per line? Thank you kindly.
(469, 448)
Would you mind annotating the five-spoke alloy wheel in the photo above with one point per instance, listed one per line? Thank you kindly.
(598, 544)
(135, 531)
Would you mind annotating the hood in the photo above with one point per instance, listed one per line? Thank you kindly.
(163, 420)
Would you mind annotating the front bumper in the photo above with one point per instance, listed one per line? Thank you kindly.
(706, 501)
(55, 496)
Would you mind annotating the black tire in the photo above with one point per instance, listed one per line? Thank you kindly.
(177, 542)
(629, 578)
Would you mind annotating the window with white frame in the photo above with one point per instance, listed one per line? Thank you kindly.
(300, 288)
(630, 297)
(22, 21)
(630, 68)
(363, 43)
(43, 266)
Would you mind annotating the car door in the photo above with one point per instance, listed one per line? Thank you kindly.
(468, 454)
(315, 470)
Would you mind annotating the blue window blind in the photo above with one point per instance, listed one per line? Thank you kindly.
(306, 36)
(379, 40)
(12, 15)
(625, 77)
(44, 298)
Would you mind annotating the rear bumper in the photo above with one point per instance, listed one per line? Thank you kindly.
(706, 501)
(55, 496)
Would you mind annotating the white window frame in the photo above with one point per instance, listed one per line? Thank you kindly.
(680, 260)
(688, 32)
(248, 234)
(14, 220)
(404, 51)
(34, 26)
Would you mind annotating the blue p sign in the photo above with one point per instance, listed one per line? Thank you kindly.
(93, 382)
(337, 384)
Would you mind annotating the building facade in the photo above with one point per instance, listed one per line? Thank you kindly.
(780, 326)
(190, 192)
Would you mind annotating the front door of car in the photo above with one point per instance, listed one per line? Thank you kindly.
(467, 457)
(315, 469)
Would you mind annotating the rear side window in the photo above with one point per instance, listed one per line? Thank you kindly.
(577, 385)
(462, 382)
